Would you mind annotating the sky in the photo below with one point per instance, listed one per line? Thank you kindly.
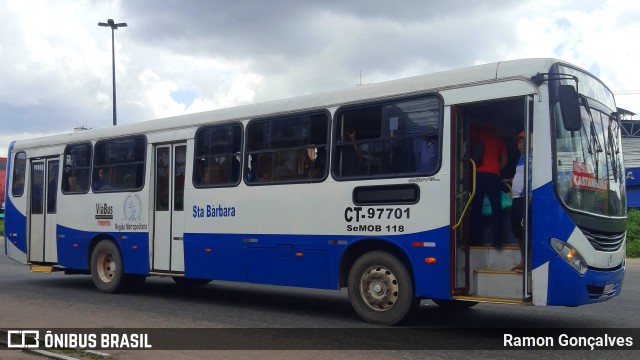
(184, 56)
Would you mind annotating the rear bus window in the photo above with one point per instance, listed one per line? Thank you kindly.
(19, 169)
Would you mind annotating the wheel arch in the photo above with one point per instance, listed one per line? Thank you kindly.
(357, 249)
(96, 240)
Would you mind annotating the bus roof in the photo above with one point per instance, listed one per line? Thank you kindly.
(435, 82)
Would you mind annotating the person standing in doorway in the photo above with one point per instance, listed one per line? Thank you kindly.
(519, 200)
(488, 181)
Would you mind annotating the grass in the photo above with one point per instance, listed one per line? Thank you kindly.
(633, 234)
(1, 227)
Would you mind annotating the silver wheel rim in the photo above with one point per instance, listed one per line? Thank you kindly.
(106, 267)
(379, 288)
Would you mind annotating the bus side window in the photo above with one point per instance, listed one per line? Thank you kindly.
(388, 139)
(217, 156)
(19, 170)
(119, 164)
(77, 167)
(287, 149)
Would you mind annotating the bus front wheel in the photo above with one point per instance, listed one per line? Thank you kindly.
(380, 288)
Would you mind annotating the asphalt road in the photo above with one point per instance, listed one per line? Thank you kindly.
(33, 300)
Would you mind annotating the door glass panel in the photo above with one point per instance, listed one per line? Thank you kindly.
(163, 171)
(52, 186)
(178, 191)
(37, 188)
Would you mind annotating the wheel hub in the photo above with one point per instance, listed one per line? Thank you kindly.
(379, 288)
(106, 267)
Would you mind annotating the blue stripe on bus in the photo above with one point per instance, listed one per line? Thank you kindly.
(73, 249)
(272, 259)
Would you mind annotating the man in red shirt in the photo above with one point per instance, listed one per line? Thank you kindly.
(488, 181)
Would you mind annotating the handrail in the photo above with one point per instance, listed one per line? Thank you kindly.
(473, 192)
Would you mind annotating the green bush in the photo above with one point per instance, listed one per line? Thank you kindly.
(633, 234)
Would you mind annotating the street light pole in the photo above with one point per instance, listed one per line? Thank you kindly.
(110, 23)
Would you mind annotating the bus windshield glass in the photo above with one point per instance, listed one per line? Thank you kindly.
(589, 168)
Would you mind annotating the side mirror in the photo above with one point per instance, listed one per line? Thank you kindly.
(570, 108)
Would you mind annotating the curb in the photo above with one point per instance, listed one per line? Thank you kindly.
(50, 355)
(46, 353)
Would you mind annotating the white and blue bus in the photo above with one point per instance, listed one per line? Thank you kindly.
(336, 190)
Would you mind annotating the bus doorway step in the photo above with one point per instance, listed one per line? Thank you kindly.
(498, 284)
(166, 273)
(492, 300)
(44, 268)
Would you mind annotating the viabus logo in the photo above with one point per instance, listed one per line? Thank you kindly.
(21, 339)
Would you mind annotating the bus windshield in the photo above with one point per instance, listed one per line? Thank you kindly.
(589, 168)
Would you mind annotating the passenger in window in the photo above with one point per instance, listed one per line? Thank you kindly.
(488, 181)
(72, 183)
(319, 163)
(101, 182)
(425, 153)
(350, 155)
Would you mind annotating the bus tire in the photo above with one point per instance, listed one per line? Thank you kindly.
(380, 288)
(190, 282)
(107, 270)
(446, 304)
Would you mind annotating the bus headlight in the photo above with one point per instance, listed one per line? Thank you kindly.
(569, 254)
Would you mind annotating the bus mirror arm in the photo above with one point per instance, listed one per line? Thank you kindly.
(473, 192)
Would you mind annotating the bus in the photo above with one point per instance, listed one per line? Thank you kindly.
(333, 191)
(3, 168)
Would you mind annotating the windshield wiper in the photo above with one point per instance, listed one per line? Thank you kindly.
(614, 150)
(593, 133)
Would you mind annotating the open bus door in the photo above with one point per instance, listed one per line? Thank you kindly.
(481, 272)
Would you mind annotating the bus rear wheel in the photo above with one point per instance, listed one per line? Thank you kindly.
(107, 269)
(380, 288)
